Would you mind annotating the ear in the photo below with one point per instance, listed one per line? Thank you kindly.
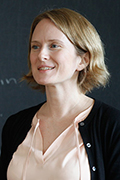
(84, 61)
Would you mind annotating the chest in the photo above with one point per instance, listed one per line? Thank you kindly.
(52, 130)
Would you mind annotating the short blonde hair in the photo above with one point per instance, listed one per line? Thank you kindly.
(85, 38)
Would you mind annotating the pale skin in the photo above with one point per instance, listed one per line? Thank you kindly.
(56, 64)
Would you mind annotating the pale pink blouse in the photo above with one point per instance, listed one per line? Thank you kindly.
(65, 159)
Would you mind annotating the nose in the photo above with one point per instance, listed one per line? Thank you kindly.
(43, 54)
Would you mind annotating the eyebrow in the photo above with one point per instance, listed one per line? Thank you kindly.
(51, 40)
(34, 41)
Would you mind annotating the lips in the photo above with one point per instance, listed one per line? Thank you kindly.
(45, 68)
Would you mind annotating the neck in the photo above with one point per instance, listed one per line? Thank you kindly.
(64, 101)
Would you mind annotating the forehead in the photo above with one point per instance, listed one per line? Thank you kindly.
(47, 29)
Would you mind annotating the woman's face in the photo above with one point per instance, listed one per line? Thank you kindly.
(53, 57)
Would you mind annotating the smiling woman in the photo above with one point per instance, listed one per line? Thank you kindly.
(70, 136)
(55, 59)
(81, 33)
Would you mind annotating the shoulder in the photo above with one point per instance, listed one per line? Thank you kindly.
(104, 120)
(108, 113)
(23, 115)
(20, 121)
(104, 112)
(16, 127)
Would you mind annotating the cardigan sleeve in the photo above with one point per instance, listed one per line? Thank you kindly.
(112, 145)
(5, 155)
(101, 130)
(13, 133)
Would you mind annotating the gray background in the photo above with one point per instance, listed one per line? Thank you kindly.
(16, 17)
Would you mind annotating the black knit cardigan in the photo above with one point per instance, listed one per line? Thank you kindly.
(100, 132)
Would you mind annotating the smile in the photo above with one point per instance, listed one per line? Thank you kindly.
(45, 68)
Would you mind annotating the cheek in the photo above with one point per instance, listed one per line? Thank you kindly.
(60, 57)
(32, 58)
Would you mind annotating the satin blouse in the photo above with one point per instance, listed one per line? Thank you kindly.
(66, 157)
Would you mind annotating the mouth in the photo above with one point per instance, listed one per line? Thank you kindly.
(45, 68)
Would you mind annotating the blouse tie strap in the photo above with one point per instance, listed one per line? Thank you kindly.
(29, 152)
(78, 146)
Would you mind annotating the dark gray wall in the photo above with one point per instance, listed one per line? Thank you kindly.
(16, 17)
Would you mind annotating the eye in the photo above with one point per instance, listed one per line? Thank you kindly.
(35, 47)
(54, 46)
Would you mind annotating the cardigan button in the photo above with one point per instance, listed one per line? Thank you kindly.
(88, 145)
(94, 168)
(82, 123)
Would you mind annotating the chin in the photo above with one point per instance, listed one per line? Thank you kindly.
(43, 83)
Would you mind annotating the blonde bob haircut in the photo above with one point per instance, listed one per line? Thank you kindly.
(82, 34)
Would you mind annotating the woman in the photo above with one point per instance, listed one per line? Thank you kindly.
(70, 136)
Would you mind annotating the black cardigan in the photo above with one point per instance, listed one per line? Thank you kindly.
(100, 132)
